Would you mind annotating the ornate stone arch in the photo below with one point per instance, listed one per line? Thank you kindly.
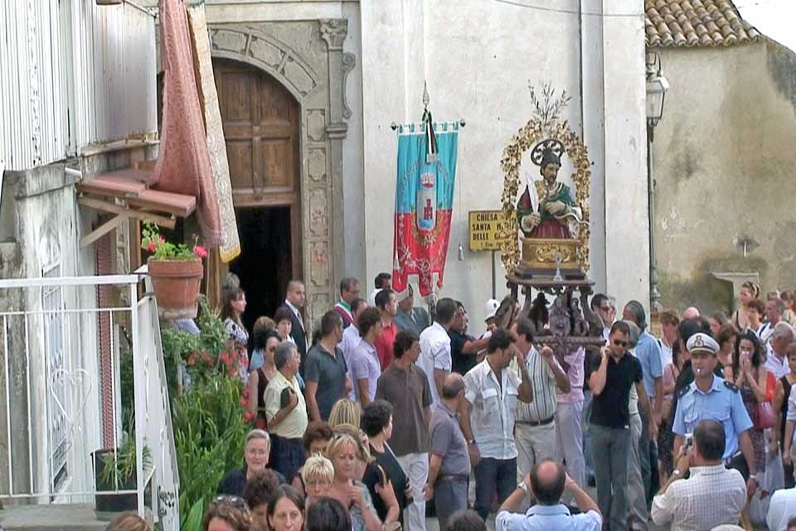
(316, 76)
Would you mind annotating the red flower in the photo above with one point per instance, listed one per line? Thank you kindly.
(248, 415)
(161, 239)
(192, 359)
(243, 402)
(151, 247)
(200, 251)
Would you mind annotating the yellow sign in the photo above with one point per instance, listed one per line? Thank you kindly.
(484, 230)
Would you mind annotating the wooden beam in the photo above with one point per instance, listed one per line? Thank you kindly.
(105, 206)
(101, 231)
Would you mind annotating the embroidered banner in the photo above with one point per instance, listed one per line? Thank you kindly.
(423, 206)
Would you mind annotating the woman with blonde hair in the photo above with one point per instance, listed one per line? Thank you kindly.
(317, 475)
(128, 522)
(373, 476)
(345, 453)
(345, 411)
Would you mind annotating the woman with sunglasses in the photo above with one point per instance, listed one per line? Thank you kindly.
(346, 455)
(227, 513)
(317, 476)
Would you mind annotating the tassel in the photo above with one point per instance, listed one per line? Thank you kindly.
(431, 139)
(396, 266)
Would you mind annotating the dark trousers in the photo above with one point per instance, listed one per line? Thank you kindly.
(610, 447)
(287, 456)
(648, 456)
(493, 473)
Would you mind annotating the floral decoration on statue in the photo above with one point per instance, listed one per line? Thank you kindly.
(547, 208)
(153, 242)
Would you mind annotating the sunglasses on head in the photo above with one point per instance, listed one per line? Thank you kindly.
(619, 343)
(234, 501)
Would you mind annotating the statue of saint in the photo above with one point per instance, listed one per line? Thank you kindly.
(547, 208)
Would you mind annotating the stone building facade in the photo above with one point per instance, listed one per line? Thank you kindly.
(723, 161)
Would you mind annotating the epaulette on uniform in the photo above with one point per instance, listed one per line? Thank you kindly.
(730, 386)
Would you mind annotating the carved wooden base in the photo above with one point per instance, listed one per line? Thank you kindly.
(544, 256)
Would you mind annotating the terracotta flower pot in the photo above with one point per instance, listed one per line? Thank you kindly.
(177, 284)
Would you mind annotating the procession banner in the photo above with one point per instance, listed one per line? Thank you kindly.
(423, 205)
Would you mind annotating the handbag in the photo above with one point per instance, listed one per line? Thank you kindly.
(764, 411)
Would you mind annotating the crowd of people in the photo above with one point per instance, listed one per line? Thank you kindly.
(382, 410)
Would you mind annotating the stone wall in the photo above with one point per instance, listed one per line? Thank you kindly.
(724, 167)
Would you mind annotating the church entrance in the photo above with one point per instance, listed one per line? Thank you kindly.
(261, 126)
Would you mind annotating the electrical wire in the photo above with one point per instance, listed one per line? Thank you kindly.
(569, 11)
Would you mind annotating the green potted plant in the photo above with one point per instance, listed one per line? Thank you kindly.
(115, 470)
(176, 272)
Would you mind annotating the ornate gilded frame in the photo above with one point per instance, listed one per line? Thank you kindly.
(545, 123)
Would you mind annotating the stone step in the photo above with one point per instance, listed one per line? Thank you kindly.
(55, 517)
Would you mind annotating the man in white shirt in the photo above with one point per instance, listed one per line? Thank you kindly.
(435, 348)
(535, 423)
(775, 309)
(776, 359)
(712, 496)
(487, 419)
(782, 510)
(351, 339)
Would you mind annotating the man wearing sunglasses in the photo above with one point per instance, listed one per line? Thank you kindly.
(610, 377)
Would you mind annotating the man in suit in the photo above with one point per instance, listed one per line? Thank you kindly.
(294, 301)
(408, 317)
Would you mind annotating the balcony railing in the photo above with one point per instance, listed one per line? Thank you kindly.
(82, 371)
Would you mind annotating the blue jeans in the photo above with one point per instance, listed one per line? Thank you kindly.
(491, 473)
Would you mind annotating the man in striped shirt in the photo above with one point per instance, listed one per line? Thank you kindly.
(534, 425)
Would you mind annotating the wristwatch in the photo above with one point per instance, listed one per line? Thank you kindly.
(523, 486)
(676, 472)
(753, 476)
(471, 441)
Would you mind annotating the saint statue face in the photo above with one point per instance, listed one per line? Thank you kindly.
(550, 172)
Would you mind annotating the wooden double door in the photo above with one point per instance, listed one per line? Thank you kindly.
(261, 122)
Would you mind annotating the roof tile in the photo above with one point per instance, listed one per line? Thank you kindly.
(694, 23)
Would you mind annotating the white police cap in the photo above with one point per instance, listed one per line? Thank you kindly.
(703, 342)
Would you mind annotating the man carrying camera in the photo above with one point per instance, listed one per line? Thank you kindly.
(712, 496)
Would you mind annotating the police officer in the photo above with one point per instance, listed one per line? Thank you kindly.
(710, 397)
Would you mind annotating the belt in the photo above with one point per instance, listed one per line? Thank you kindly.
(536, 423)
(453, 478)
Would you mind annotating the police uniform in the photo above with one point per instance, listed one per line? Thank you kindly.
(722, 403)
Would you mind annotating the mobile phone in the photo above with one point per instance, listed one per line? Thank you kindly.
(689, 440)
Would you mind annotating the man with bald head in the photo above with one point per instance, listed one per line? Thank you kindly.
(691, 313)
(449, 470)
(548, 481)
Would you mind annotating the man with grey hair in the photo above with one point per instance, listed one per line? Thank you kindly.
(775, 309)
(648, 352)
(776, 358)
(286, 411)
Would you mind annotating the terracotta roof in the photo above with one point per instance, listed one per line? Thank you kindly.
(696, 23)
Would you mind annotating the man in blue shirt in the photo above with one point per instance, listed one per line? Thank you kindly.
(648, 352)
(547, 480)
(710, 397)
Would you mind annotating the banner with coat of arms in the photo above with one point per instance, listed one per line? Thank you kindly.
(424, 204)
